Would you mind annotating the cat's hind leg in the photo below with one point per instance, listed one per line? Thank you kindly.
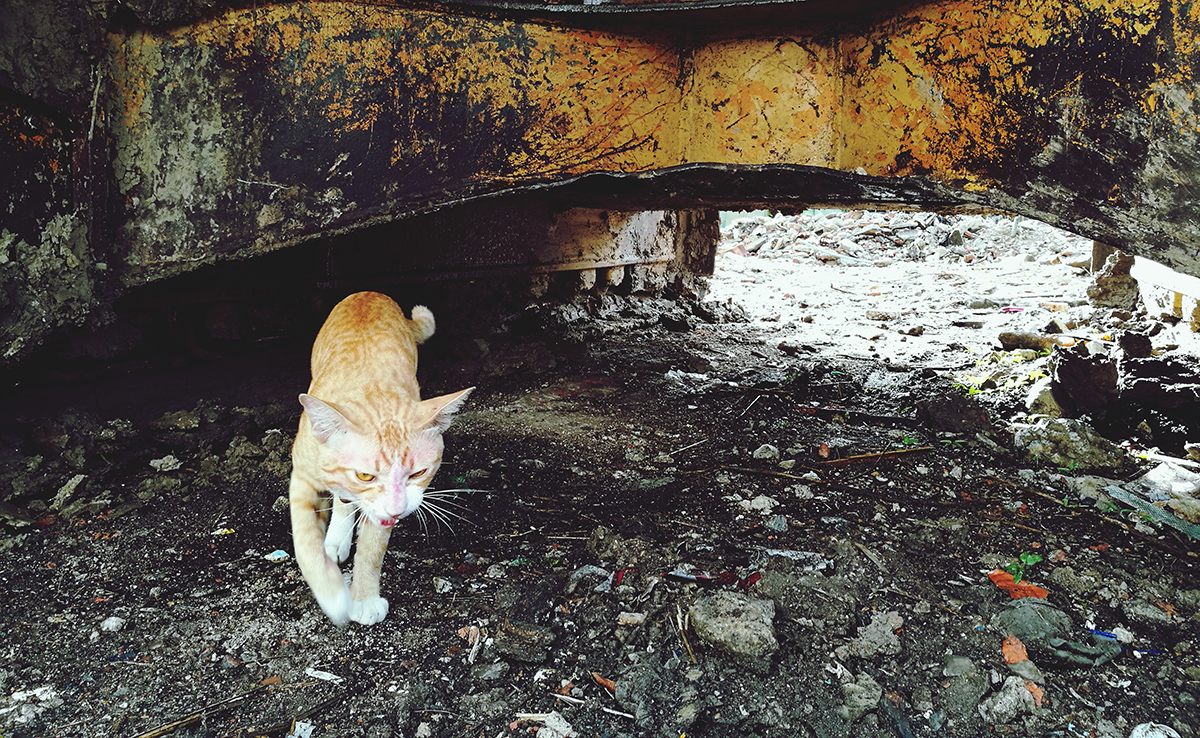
(322, 573)
(367, 607)
(341, 531)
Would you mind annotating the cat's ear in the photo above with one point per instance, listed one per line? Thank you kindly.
(326, 421)
(439, 411)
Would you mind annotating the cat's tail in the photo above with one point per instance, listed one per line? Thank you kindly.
(422, 323)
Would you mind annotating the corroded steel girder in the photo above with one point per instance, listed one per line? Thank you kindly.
(265, 125)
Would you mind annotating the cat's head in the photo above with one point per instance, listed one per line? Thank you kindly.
(384, 463)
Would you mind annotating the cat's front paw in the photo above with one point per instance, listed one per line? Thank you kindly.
(339, 607)
(369, 611)
(338, 538)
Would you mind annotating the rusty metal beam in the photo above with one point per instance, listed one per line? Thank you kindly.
(261, 126)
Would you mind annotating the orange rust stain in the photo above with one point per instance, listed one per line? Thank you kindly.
(931, 89)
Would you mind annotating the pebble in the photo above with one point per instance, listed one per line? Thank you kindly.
(112, 624)
(166, 463)
(767, 451)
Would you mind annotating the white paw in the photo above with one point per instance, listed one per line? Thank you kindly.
(340, 607)
(369, 612)
(339, 537)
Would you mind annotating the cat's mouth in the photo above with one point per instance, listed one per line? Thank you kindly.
(387, 522)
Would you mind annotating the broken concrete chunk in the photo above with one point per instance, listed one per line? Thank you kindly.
(1013, 699)
(1070, 444)
(742, 627)
(875, 638)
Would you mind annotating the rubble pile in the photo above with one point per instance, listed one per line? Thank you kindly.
(837, 516)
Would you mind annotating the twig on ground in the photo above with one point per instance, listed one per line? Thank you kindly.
(681, 626)
(286, 726)
(685, 448)
(876, 456)
(769, 473)
(209, 710)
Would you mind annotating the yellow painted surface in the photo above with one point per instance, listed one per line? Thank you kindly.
(942, 88)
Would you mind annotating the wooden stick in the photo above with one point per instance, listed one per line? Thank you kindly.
(289, 725)
(195, 717)
(876, 456)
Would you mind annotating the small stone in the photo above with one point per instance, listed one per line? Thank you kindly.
(181, 420)
(860, 695)
(66, 491)
(958, 666)
(1153, 730)
(877, 637)
(491, 671)
(112, 624)
(1004, 706)
(166, 464)
(631, 618)
(766, 451)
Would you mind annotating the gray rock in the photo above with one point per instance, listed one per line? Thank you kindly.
(491, 671)
(741, 627)
(1113, 287)
(1067, 443)
(1032, 620)
(485, 704)
(777, 523)
(1027, 670)
(1153, 730)
(961, 694)
(766, 451)
(1145, 613)
(1013, 700)
(959, 666)
(860, 696)
(656, 698)
(826, 604)
(875, 638)
(1040, 399)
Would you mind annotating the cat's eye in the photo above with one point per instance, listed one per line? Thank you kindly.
(364, 477)
(419, 473)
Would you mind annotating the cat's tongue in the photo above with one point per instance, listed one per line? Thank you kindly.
(387, 522)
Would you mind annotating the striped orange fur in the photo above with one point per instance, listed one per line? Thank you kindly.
(368, 440)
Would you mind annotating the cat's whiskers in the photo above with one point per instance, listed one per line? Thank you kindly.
(436, 506)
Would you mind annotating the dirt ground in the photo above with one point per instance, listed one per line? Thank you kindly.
(671, 519)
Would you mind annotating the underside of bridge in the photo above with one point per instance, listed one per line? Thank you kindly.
(149, 139)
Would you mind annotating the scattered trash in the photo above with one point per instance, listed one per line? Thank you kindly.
(323, 675)
(302, 730)
(608, 684)
(1153, 511)
(1013, 650)
(1015, 589)
(277, 555)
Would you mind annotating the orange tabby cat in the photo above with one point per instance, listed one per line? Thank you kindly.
(368, 439)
